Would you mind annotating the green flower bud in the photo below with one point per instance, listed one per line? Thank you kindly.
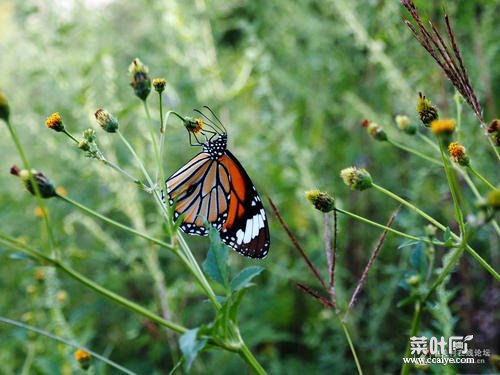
(356, 178)
(45, 186)
(106, 120)
(321, 201)
(404, 124)
(4, 108)
(139, 79)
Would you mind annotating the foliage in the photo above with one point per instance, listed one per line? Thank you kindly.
(292, 82)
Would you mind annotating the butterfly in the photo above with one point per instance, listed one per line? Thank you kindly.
(213, 186)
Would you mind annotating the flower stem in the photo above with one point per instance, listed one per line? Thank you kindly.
(415, 152)
(92, 285)
(38, 196)
(351, 346)
(478, 175)
(249, 358)
(415, 324)
(67, 342)
(137, 159)
(436, 223)
(151, 132)
(115, 223)
(375, 224)
(454, 190)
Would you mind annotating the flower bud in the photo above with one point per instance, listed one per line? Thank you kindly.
(321, 201)
(4, 108)
(83, 358)
(458, 154)
(54, 122)
(494, 130)
(89, 135)
(430, 230)
(44, 185)
(106, 120)
(84, 145)
(356, 178)
(426, 111)
(139, 79)
(404, 124)
(493, 199)
(376, 132)
(413, 280)
(159, 84)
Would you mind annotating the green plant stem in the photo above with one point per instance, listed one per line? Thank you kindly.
(159, 170)
(67, 342)
(151, 132)
(249, 358)
(351, 346)
(454, 191)
(478, 175)
(38, 196)
(115, 223)
(92, 285)
(415, 324)
(455, 257)
(381, 226)
(415, 152)
(440, 226)
(137, 159)
(71, 136)
(201, 280)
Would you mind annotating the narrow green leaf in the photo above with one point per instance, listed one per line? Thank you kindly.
(408, 243)
(448, 239)
(190, 346)
(244, 277)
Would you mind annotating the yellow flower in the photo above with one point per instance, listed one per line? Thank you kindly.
(458, 154)
(493, 199)
(83, 358)
(159, 84)
(54, 122)
(193, 125)
(445, 126)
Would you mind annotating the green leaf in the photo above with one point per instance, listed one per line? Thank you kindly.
(418, 259)
(178, 222)
(227, 315)
(244, 277)
(216, 263)
(408, 243)
(448, 239)
(190, 346)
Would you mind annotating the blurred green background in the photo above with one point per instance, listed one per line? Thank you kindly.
(292, 82)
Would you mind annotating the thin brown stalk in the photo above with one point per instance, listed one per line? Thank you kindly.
(446, 53)
(369, 264)
(296, 243)
(315, 295)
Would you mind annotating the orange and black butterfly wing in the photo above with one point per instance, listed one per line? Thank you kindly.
(200, 190)
(245, 229)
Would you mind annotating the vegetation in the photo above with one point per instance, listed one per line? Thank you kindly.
(374, 151)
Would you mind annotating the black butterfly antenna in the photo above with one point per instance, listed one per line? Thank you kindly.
(216, 125)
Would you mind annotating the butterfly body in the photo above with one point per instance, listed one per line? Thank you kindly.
(213, 186)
